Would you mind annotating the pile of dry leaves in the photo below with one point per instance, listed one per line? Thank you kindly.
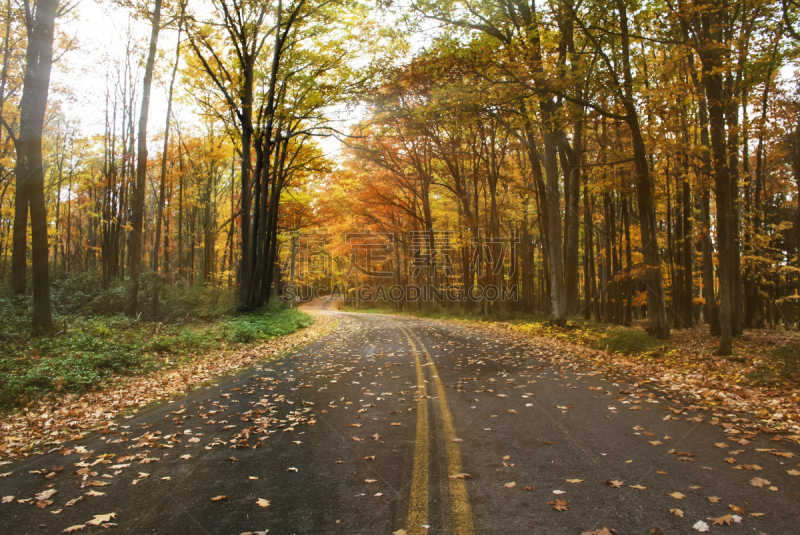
(46, 425)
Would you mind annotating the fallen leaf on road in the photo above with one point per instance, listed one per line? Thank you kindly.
(462, 475)
(759, 482)
(72, 529)
(604, 531)
(714, 499)
(661, 472)
(723, 520)
(99, 519)
(574, 481)
(8, 499)
(738, 510)
(148, 460)
(677, 512)
(561, 505)
(793, 472)
(261, 502)
(614, 483)
(751, 467)
(219, 498)
(700, 526)
(45, 495)
(369, 458)
(370, 480)
(291, 469)
(637, 487)
(510, 485)
(678, 495)
(95, 493)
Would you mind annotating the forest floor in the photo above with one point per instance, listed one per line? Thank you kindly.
(761, 378)
(58, 388)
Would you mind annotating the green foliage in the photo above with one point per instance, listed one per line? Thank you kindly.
(265, 325)
(90, 351)
(83, 294)
(626, 340)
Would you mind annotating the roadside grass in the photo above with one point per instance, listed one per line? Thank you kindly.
(627, 341)
(776, 365)
(88, 352)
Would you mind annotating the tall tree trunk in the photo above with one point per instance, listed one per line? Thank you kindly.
(658, 323)
(137, 206)
(162, 184)
(572, 185)
(724, 211)
(711, 56)
(30, 169)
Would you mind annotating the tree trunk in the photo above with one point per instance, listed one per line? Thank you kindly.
(137, 206)
(658, 323)
(162, 184)
(30, 169)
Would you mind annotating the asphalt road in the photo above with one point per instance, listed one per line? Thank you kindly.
(362, 431)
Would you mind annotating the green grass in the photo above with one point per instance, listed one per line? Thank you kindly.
(778, 366)
(88, 352)
(626, 340)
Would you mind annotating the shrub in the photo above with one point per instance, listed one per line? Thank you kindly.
(626, 341)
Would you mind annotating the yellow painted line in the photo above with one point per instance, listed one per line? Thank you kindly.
(459, 497)
(418, 506)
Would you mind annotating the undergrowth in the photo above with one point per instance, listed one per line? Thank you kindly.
(87, 351)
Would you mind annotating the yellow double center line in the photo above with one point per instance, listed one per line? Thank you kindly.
(418, 508)
(461, 513)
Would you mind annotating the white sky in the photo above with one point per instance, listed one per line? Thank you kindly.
(101, 29)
